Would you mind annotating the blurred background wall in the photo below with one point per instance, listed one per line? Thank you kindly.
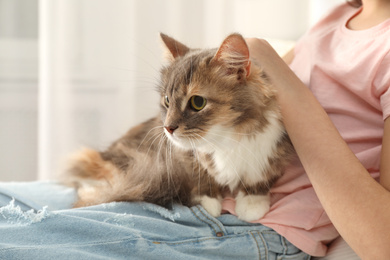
(79, 73)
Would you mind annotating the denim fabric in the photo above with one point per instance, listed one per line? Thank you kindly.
(36, 222)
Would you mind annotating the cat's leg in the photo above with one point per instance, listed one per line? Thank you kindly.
(251, 207)
(213, 205)
(208, 194)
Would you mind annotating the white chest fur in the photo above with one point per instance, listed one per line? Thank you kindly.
(245, 159)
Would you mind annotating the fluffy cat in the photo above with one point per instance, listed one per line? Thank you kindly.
(219, 131)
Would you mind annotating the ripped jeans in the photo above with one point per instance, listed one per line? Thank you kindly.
(37, 222)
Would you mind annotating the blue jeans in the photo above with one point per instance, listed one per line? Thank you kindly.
(37, 222)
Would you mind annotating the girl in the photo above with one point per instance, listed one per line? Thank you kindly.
(336, 109)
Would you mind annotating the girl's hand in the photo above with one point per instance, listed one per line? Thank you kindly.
(276, 68)
(262, 53)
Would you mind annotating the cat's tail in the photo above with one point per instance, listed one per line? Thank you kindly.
(97, 180)
(87, 164)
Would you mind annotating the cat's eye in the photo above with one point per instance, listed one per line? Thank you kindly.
(197, 103)
(166, 101)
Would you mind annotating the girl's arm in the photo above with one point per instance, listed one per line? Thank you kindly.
(385, 158)
(289, 56)
(358, 206)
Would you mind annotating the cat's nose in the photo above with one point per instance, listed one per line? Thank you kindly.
(171, 129)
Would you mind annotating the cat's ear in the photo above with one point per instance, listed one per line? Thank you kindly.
(175, 48)
(234, 54)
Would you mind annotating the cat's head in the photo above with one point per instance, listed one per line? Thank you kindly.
(209, 95)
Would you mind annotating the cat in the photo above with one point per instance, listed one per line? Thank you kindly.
(219, 131)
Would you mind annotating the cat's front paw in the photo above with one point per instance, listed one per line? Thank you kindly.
(251, 207)
(212, 205)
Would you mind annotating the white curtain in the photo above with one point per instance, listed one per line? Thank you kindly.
(79, 73)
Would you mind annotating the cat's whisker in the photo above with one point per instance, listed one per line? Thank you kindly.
(196, 162)
(167, 164)
(158, 136)
(170, 158)
(227, 132)
(170, 166)
(236, 133)
(154, 128)
(230, 139)
(164, 142)
(194, 152)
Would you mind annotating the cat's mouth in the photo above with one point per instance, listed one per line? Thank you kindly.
(183, 141)
(215, 137)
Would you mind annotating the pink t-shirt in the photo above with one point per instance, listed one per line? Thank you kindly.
(349, 73)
